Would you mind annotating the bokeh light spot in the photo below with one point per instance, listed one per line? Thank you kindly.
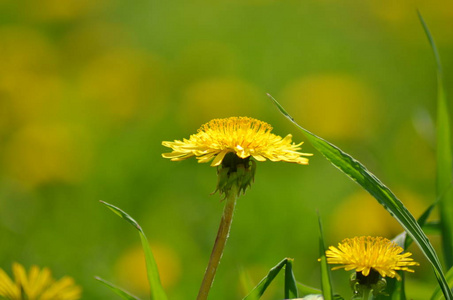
(218, 98)
(334, 106)
(131, 267)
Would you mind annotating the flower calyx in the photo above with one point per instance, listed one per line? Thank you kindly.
(235, 171)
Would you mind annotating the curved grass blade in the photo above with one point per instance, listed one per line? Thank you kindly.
(404, 241)
(305, 290)
(325, 270)
(157, 291)
(432, 227)
(290, 281)
(422, 222)
(358, 173)
(119, 291)
(437, 295)
(395, 288)
(259, 290)
(443, 155)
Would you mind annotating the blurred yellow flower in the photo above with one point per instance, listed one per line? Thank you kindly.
(41, 154)
(398, 18)
(333, 105)
(30, 86)
(241, 136)
(131, 267)
(205, 59)
(365, 254)
(123, 84)
(56, 10)
(38, 284)
(89, 41)
(408, 163)
(217, 98)
(370, 218)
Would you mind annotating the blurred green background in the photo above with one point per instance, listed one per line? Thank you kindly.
(89, 89)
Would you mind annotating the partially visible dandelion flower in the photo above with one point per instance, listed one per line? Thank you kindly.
(242, 136)
(38, 284)
(369, 255)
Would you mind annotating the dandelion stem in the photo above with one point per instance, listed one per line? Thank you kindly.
(219, 245)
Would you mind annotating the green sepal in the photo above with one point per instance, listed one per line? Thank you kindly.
(235, 171)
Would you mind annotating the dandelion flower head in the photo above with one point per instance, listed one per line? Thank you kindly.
(38, 284)
(243, 136)
(365, 254)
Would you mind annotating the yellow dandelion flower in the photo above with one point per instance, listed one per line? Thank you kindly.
(38, 284)
(368, 254)
(243, 136)
(230, 143)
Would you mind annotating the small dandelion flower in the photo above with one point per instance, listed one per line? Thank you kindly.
(373, 259)
(230, 143)
(38, 284)
(365, 254)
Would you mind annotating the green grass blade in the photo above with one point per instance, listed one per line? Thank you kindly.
(422, 222)
(122, 215)
(290, 281)
(305, 290)
(246, 282)
(395, 288)
(358, 173)
(325, 270)
(443, 155)
(437, 295)
(259, 290)
(157, 291)
(117, 290)
(432, 227)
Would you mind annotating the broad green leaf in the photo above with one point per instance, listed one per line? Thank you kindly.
(290, 281)
(443, 155)
(358, 173)
(157, 291)
(325, 270)
(259, 290)
(119, 291)
(437, 295)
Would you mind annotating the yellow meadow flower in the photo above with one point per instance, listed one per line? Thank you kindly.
(230, 143)
(38, 284)
(243, 136)
(368, 254)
